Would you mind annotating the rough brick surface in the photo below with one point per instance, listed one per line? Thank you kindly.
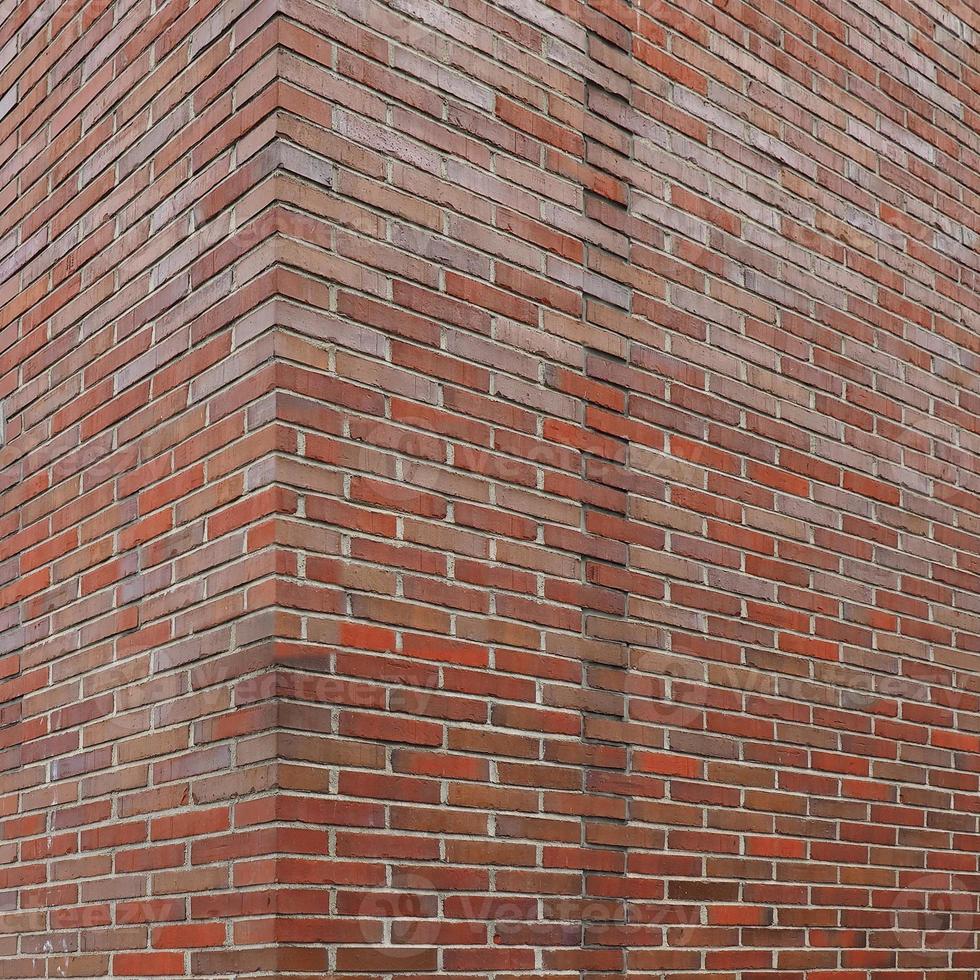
(490, 488)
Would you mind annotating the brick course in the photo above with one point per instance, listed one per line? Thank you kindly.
(490, 487)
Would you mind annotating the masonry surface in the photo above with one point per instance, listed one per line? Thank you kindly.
(490, 488)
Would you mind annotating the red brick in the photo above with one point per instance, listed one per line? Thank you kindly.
(476, 469)
(148, 964)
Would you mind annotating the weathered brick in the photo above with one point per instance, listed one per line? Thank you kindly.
(488, 487)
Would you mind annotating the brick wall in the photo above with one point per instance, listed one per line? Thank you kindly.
(490, 488)
(137, 569)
